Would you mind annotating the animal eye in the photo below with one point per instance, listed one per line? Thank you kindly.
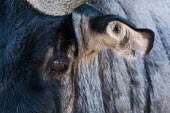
(59, 65)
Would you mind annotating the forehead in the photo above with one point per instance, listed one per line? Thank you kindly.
(60, 32)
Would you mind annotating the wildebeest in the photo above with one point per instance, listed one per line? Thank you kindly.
(40, 54)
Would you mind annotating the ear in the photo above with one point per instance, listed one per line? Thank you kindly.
(116, 33)
(130, 40)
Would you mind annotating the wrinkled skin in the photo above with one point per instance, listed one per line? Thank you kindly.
(40, 54)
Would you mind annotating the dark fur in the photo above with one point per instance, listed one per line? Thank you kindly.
(25, 37)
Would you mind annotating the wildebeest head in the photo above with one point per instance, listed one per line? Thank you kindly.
(40, 62)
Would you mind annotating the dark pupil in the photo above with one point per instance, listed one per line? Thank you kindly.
(59, 65)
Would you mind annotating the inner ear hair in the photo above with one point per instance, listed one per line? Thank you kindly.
(143, 38)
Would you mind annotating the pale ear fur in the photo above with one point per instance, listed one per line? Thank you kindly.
(118, 36)
(141, 40)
